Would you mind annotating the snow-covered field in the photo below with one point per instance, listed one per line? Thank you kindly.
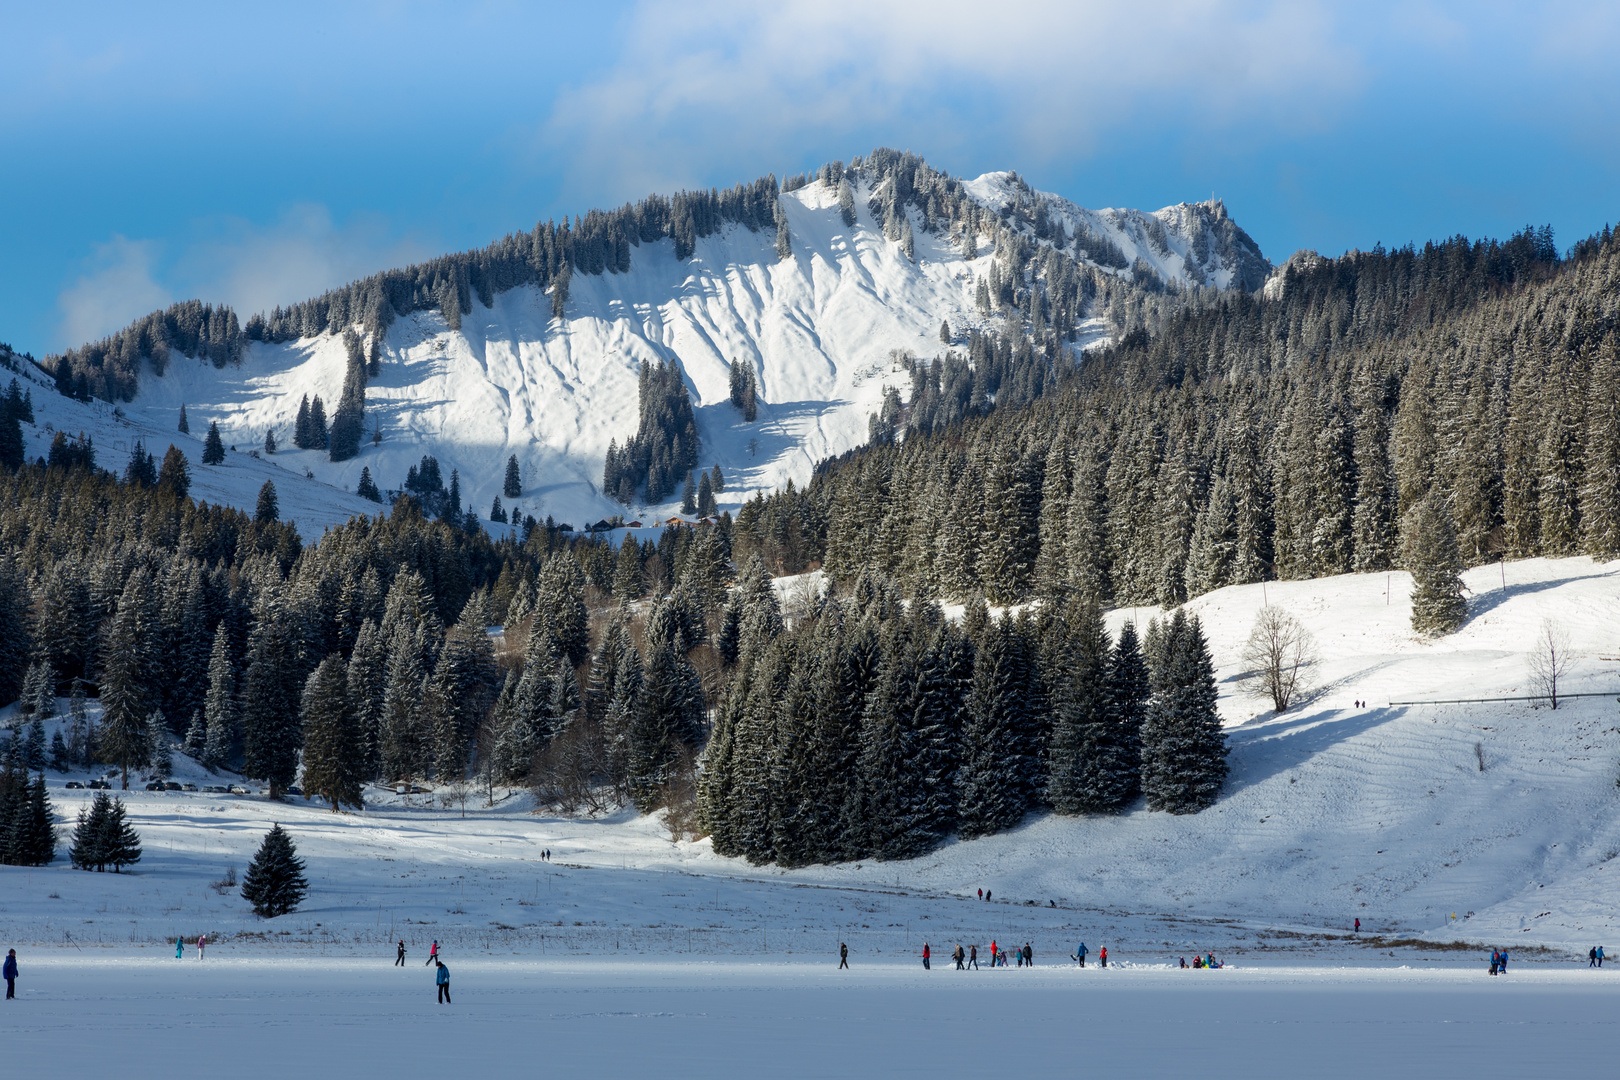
(149, 1015)
(625, 939)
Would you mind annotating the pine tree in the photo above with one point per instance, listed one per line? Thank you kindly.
(196, 736)
(272, 686)
(270, 441)
(689, 496)
(301, 435)
(319, 438)
(1600, 493)
(512, 487)
(127, 691)
(461, 692)
(627, 581)
(1183, 747)
(986, 802)
(185, 425)
(846, 203)
(367, 487)
(670, 711)
(219, 709)
(274, 883)
(1430, 553)
(213, 446)
(159, 756)
(268, 511)
(334, 751)
(174, 476)
(103, 837)
(1089, 766)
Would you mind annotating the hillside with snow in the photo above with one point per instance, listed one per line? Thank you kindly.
(1481, 821)
(821, 328)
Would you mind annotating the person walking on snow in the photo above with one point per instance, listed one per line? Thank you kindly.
(433, 954)
(1495, 960)
(958, 955)
(1504, 961)
(179, 948)
(1591, 957)
(992, 952)
(442, 978)
(925, 957)
(843, 956)
(1080, 954)
(973, 957)
(1358, 926)
(1600, 956)
(399, 960)
(202, 941)
(10, 973)
(1029, 955)
(1102, 957)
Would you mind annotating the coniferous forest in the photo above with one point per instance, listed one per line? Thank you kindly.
(1423, 409)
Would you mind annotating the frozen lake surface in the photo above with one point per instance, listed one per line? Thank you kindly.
(146, 1014)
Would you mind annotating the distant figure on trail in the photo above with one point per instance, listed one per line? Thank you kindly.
(981, 894)
(202, 942)
(843, 956)
(433, 954)
(973, 957)
(1358, 926)
(179, 948)
(1020, 954)
(10, 973)
(958, 955)
(442, 978)
(1029, 955)
(992, 952)
(925, 957)
(987, 894)
(1591, 957)
(399, 960)
(1600, 955)
(1504, 961)
(1102, 957)
(1496, 960)
(1080, 954)
(1184, 961)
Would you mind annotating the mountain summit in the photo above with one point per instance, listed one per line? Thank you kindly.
(821, 289)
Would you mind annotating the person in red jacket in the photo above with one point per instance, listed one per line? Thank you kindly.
(992, 953)
(1102, 956)
(925, 957)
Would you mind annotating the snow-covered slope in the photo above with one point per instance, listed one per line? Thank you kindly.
(1333, 812)
(820, 328)
(313, 504)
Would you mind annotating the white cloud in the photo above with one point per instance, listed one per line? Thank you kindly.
(252, 268)
(1040, 78)
(118, 289)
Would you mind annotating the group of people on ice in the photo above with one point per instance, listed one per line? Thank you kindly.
(180, 946)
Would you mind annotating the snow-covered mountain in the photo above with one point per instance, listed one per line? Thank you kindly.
(821, 328)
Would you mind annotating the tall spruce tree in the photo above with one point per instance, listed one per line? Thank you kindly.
(1430, 553)
(127, 690)
(1183, 747)
(334, 750)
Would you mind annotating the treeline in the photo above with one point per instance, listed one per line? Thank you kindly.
(110, 369)
(1292, 435)
(875, 728)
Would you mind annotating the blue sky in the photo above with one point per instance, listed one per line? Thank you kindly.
(256, 155)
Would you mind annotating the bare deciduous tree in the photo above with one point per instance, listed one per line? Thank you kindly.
(1278, 655)
(571, 774)
(1550, 659)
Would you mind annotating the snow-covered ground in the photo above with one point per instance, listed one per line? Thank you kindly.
(819, 328)
(1332, 813)
(627, 949)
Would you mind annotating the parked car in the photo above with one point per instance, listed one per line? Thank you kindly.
(294, 791)
(73, 784)
(238, 789)
(171, 785)
(154, 785)
(216, 789)
(99, 785)
(188, 787)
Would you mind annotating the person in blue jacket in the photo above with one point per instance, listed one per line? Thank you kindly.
(10, 973)
(442, 977)
(1080, 954)
(179, 948)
